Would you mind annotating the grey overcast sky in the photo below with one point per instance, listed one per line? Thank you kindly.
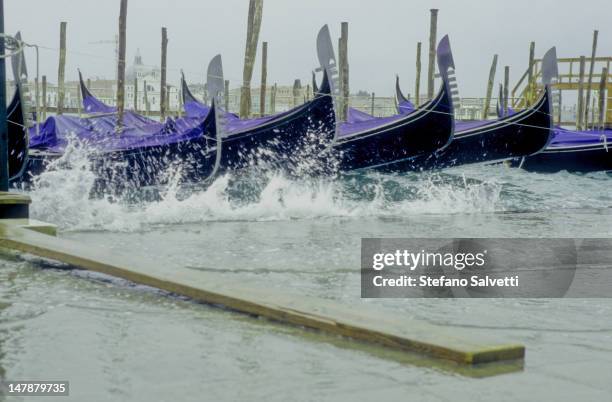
(382, 35)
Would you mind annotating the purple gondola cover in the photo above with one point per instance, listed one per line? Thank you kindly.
(566, 138)
(99, 133)
(357, 116)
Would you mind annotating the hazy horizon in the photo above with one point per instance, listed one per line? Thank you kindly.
(382, 37)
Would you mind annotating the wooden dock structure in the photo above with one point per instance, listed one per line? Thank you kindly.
(570, 79)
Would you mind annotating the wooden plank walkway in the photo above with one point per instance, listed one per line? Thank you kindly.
(467, 348)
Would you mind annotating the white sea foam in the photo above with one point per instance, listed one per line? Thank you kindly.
(62, 195)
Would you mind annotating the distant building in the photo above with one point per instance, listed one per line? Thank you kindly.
(106, 90)
(149, 77)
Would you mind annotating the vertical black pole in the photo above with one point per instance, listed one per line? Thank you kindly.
(4, 174)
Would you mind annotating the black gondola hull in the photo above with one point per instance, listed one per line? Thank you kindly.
(523, 134)
(401, 140)
(299, 136)
(122, 171)
(309, 127)
(593, 158)
(17, 137)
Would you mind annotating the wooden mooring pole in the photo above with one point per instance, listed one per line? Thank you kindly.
(44, 97)
(602, 98)
(179, 113)
(417, 84)
(61, 73)
(167, 100)
(433, 39)
(79, 102)
(344, 71)
(593, 115)
(135, 94)
(297, 89)
(530, 75)
(373, 102)
(37, 95)
(264, 78)
(506, 89)
(273, 99)
(121, 64)
(226, 95)
(580, 106)
(147, 105)
(253, 27)
(590, 80)
(485, 109)
(340, 99)
(560, 108)
(162, 87)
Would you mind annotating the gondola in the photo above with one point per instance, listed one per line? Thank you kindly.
(139, 154)
(281, 141)
(293, 141)
(572, 151)
(288, 141)
(135, 158)
(580, 151)
(378, 142)
(524, 133)
(16, 112)
(17, 137)
(130, 160)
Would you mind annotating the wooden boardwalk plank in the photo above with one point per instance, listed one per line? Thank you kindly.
(391, 330)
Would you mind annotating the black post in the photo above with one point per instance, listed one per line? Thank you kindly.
(4, 174)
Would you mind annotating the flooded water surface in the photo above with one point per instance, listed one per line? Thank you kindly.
(115, 341)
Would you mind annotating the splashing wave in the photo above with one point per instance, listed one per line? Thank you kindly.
(62, 195)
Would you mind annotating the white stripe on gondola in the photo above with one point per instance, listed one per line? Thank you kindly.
(561, 150)
(578, 148)
(454, 88)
